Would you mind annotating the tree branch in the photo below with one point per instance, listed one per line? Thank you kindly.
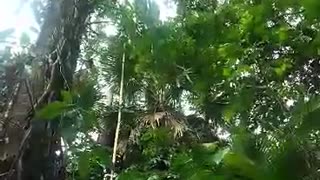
(29, 94)
(99, 22)
(6, 120)
(20, 152)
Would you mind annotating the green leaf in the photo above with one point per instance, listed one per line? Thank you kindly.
(89, 120)
(132, 174)
(53, 110)
(310, 122)
(202, 174)
(84, 165)
(226, 72)
(279, 71)
(312, 8)
(103, 154)
(229, 51)
(87, 93)
(239, 104)
(242, 164)
(283, 34)
(228, 113)
(154, 177)
(282, 68)
(219, 156)
(210, 146)
(66, 97)
(181, 162)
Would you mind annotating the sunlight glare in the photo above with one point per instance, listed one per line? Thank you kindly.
(21, 20)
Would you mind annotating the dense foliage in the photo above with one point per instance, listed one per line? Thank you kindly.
(223, 90)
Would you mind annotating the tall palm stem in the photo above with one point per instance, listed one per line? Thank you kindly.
(116, 139)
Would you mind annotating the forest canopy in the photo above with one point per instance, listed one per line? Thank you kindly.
(222, 90)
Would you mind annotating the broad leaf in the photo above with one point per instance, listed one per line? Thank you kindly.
(53, 110)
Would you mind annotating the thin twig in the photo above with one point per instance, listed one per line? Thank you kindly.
(4, 174)
(7, 120)
(13, 124)
(11, 103)
(99, 22)
(94, 32)
(49, 86)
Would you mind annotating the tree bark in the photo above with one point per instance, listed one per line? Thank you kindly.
(28, 148)
(59, 43)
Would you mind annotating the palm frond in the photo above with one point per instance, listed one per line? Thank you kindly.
(174, 121)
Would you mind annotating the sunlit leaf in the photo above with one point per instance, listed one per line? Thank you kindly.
(219, 156)
(283, 34)
(53, 110)
(226, 72)
(228, 114)
(66, 97)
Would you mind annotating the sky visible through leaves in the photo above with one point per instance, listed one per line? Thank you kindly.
(18, 14)
(212, 89)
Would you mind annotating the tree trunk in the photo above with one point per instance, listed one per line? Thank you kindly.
(63, 29)
(58, 46)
